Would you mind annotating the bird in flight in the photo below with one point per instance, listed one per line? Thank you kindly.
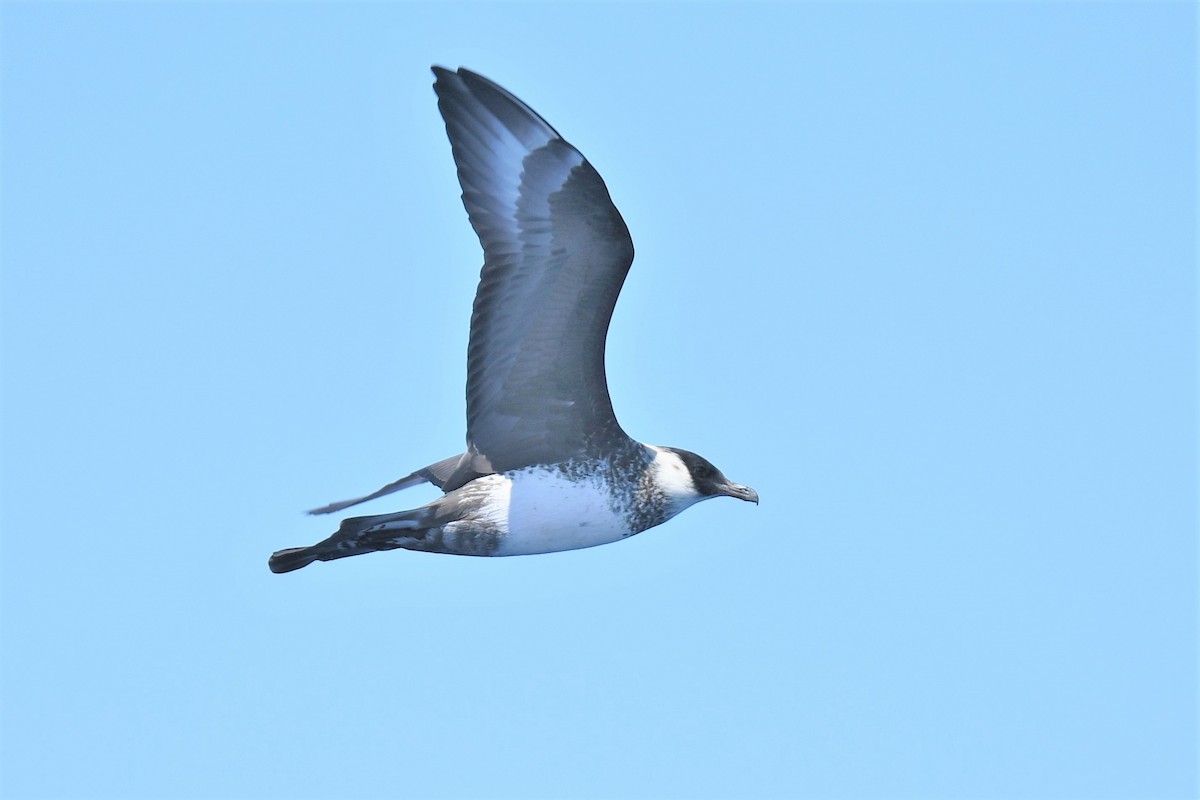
(547, 467)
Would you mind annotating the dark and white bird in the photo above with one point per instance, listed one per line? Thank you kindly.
(547, 466)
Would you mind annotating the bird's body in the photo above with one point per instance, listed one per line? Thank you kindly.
(537, 509)
(547, 466)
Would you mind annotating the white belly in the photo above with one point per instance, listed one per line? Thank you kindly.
(544, 512)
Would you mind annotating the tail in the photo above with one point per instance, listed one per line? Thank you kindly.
(282, 561)
(356, 536)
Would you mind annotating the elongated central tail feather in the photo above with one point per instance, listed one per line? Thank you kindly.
(355, 536)
(292, 558)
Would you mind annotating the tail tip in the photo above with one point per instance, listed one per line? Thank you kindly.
(293, 558)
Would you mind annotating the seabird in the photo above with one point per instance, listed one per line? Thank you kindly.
(547, 466)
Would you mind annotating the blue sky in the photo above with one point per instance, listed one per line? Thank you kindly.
(922, 274)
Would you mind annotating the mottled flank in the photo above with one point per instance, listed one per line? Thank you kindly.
(649, 505)
(626, 475)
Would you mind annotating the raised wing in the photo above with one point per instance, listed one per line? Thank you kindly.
(556, 253)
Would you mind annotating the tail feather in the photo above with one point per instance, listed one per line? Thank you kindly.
(292, 558)
(355, 536)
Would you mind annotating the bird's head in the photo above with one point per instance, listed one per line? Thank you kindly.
(688, 478)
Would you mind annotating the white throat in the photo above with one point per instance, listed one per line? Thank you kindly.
(674, 480)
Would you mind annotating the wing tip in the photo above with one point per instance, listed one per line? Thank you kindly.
(470, 88)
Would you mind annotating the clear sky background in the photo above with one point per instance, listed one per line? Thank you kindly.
(922, 274)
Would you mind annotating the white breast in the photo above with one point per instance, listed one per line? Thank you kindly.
(543, 511)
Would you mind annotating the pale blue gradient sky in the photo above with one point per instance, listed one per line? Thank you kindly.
(922, 274)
